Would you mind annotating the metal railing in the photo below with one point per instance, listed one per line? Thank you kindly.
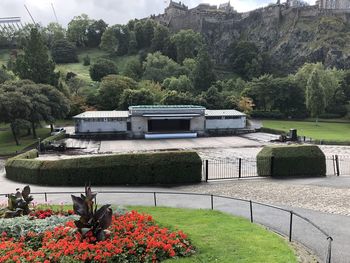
(284, 221)
(247, 168)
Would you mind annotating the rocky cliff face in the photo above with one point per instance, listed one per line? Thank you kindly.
(292, 36)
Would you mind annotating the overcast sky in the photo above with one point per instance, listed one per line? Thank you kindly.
(112, 11)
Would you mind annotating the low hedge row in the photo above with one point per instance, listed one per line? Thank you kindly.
(51, 139)
(141, 168)
(291, 160)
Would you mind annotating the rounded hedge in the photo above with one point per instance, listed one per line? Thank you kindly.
(140, 168)
(291, 160)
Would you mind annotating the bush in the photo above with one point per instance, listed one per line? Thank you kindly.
(292, 160)
(145, 168)
(64, 51)
(86, 60)
(102, 68)
(267, 115)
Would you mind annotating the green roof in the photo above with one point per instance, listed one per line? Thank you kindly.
(166, 107)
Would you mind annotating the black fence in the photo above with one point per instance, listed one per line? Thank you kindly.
(225, 169)
(294, 226)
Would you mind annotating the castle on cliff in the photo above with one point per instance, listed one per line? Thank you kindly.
(333, 4)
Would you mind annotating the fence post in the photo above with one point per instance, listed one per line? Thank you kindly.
(155, 199)
(290, 226)
(240, 168)
(212, 202)
(45, 197)
(206, 170)
(329, 254)
(251, 211)
(337, 164)
(272, 165)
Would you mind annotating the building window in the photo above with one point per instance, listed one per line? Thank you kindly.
(128, 126)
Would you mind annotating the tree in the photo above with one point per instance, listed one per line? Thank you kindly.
(63, 51)
(78, 29)
(213, 98)
(173, 97)
(54, 32)
(35, 64)
(132, 49)
(161, 39)
(144, 31)
(102, 68)
(111, 89)
(109, 41)
(315, 95)
(14, 108)
(135, 97)
(133, 69)
(262, 91)
(158, 67)
(203, 74)
(75, 84)
(180, 84)
(246, 105)
(187, 44)
(94, 33)
(245, 59)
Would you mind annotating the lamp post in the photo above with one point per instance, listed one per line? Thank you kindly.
(39, 148)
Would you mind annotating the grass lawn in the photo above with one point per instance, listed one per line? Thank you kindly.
(222, 238)
(322, 131)
(94, 54)
(8, 145)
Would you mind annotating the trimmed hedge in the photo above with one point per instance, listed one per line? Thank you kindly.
(56, 137)
(140, 168)
(291, 160)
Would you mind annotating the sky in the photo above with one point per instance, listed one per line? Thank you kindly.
(111, 11)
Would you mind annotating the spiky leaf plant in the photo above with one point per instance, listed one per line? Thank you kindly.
(18, 203)
(92, 220)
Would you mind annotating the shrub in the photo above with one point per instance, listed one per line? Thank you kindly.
(102, 68)
(141, 168)
(267, 115)
(20, 226)
(292, 160)
(86, 60)
(64, 51)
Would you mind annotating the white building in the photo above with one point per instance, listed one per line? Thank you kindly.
(159, 121)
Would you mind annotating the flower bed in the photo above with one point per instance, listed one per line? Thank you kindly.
(132, 237)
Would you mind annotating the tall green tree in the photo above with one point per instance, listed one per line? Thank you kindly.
(35, 64)
(161, 39)
(14, 108)
(109, 41)
(187, 43)
(315, 95)
(203, 74)
(78, 30)
(54, 32)
(94, 33)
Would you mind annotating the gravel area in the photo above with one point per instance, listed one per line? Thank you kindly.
(330, 199)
